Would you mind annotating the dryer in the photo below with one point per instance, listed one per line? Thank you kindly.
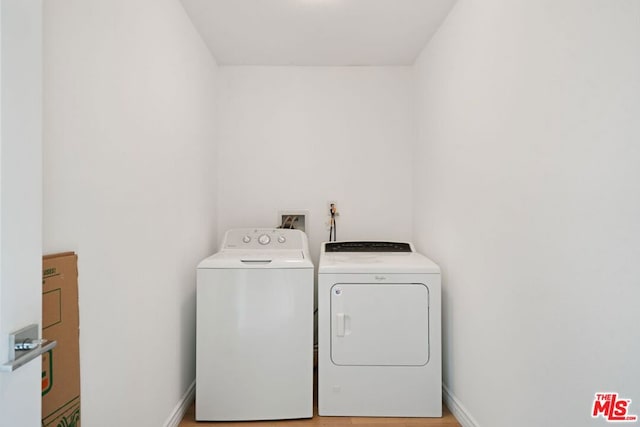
(254, 328)
(379, 331)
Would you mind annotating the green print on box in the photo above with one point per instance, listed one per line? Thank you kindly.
(72, 421)
(66, 416)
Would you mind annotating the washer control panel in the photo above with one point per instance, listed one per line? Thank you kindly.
(263, 238)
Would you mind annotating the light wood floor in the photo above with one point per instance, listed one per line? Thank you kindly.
(447, 420)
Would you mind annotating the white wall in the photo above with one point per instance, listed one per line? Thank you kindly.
(527, 192)
(20, 200)
(297, 137)
(129, 183)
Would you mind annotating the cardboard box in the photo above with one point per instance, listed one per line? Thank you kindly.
(60, 322)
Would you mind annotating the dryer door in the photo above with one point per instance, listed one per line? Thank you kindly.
(380, 325)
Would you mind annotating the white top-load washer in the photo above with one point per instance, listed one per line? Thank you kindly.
(254, 339)
(379, 331)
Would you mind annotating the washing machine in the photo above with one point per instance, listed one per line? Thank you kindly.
(254, 328)
(379, 331)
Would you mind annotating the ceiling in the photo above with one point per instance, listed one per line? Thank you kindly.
(317, 32)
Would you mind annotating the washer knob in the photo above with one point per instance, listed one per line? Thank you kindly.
(246, 239)
(282, 239)
(264, 239)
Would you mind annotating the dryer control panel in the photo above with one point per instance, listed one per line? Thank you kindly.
(367, 246)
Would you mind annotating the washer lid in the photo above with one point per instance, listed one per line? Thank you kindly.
(232, 258)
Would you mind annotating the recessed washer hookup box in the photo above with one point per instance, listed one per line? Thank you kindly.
(60, 322)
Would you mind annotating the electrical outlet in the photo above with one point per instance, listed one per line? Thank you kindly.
(293, 218)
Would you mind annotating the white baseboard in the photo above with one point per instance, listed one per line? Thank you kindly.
(181, 408)
(457, 409)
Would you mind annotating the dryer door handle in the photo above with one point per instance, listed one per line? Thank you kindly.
(342, 324)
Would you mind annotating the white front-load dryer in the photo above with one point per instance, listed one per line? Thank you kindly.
(379, 331)
(254, 328)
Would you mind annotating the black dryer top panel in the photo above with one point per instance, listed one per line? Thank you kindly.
(367, 246)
